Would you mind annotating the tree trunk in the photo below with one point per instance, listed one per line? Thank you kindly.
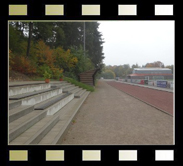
(29, 38)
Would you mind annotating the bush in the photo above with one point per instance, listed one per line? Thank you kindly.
(22, 64)
(41, 69)
(70, 75)
(57, 73)
(47, 75)
(11, 59)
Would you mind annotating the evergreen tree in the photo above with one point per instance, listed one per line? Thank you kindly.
(94, 43)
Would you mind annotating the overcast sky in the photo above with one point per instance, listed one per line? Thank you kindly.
(141, 42)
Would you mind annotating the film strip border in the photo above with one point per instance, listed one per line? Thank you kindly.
(89, 155)
(89, 10)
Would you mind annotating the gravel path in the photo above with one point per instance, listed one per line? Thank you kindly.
(111, 117)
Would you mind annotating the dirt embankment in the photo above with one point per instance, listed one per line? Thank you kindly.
(16, 76)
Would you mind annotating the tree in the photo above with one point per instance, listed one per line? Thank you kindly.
(56, 46)
(16, 38)
(43, 31)
(155, 64)
(64, 59)
(170, 67)
(44, 54)
(29, 38)
(84, 62)
(126, 66)
(135, 66)
(118, 70)
(108, 74)
(129, 71)
(94, 43)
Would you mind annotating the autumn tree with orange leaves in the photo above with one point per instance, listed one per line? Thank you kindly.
(155, 64)
(55, 47)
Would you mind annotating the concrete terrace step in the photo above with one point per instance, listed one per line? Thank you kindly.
(46, 101)
(20, 125)
(39, 135)
(66, 115)
(55, 104)
(26, 88)
(59, 85)
(80, 93)
(67, 86)
(32, 100)
(64, 85)
(54, 85)
(75, 90)
(14, 104)
(21, 96)
(57, 82)
(50, 102)
(39, 110)
(66, 90)
(25, 83)
(35, 133)
(19, 112)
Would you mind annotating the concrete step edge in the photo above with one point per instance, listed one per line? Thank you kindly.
(60, 84)
(30, 94)
(36, 138)
(51, 102)
(26, 84)
(69, 89)
(17, 90)
(60, 104)
(80, 93)
(76, 90)
(26, 125)
(14, 104)
(41, 97)
(67, 86)
(63, 131)
(15, 115)
(47, 100)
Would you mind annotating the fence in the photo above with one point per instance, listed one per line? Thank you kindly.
(157, 83)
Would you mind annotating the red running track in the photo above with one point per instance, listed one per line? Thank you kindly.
(160, 99)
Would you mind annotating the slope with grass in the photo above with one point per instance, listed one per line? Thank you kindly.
(77, 83)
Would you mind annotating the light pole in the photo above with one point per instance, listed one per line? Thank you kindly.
(84, 40)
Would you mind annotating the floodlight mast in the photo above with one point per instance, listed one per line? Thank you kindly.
(84, 40)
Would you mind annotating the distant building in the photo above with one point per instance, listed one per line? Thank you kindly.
(151, 73)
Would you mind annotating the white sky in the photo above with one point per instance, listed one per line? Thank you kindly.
(141, 42)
